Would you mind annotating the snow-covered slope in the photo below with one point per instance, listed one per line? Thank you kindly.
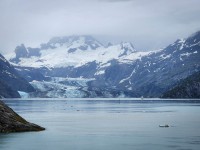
(74, 51)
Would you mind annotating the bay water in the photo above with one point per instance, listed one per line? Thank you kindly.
(106, 125)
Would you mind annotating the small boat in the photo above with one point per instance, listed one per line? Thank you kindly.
(165, 126)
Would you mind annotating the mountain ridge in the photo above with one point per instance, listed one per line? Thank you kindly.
(114, 71)
(70, 52)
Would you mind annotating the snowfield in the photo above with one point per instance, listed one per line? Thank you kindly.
(78, 53)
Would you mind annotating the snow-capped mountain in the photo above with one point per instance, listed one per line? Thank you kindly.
(107, 71)
(72, 51)
(158, 71)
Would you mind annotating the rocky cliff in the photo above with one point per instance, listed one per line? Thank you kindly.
(12, 122)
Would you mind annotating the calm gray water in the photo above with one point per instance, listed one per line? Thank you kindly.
(106, 125)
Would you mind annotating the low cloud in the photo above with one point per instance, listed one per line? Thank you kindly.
(148, 24)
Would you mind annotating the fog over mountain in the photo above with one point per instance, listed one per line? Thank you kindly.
(147, 24)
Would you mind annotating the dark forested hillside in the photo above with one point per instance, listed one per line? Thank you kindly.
(187, 88)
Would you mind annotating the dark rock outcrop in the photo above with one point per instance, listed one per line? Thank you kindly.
(12, 122)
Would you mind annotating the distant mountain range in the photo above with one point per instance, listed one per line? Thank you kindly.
(80, 66)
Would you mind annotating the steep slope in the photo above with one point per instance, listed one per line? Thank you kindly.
(186, 88)
(155, 73)
(11, 81)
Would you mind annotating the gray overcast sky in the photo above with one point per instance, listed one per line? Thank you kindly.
(148, 24)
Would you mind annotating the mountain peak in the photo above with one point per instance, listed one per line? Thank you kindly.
(127, 48)
(127, 45)
(82, 42)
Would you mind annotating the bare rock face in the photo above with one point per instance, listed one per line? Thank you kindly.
(12, 122)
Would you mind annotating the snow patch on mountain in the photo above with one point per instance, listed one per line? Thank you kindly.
(182, 42)
(186, 55)
(126, 79)
(99, 72)
(134, 56)
(3, 59)
(163, 56)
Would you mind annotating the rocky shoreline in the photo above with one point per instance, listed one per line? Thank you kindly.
(12, 122)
